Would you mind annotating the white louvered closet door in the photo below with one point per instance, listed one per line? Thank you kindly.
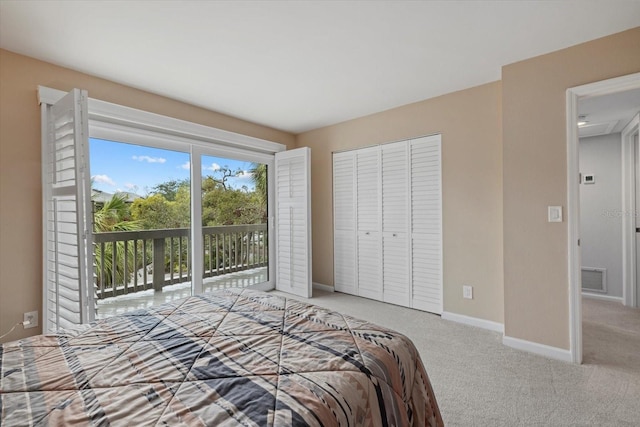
(369, 248)
(344, 210)
(68, 260)
(293, 221)
(426, 223)
(395, 221)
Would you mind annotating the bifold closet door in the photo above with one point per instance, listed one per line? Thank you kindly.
(388, 223)
(344, 211)
(426, 224)
(369, 248)
(395, 220)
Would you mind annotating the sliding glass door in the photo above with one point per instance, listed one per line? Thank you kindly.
(162, 231)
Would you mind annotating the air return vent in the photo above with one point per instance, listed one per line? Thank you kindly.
(594, 279)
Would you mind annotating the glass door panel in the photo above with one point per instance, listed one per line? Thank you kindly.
(234, 223)
(141, 200)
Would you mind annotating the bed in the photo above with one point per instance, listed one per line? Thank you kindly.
(230, 357)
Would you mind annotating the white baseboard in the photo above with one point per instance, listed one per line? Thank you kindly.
(602, 297)
(473, 321)
(322, 287)
(540, 349)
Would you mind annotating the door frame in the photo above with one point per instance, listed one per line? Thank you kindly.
(629, 222)
(573, 95)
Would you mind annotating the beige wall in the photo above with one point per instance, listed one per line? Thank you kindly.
(503, 144)
(20, 172)
(469, 122)
(535, 175)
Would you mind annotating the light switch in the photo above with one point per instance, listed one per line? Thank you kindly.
(555, 213)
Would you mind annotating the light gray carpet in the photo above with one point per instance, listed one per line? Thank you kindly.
(480, 382)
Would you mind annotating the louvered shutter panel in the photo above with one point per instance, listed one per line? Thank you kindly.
(344, 248)
(426, 223)
(369, 246)
(68, 259)
(395, 248)
(293, 221)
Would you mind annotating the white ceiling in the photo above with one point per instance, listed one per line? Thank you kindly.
(607, 114)
(297, 66)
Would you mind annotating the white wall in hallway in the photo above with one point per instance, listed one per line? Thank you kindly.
(601, 207)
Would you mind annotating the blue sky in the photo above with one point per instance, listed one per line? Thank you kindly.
(116, 166)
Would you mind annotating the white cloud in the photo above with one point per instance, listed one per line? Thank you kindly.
(244, 175)
(131, 187)
(149, 159)
(186, 165)
(103, 179)
(214, 167)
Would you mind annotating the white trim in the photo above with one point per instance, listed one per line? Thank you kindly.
(107, 112)
(629, 222)
(46, 194)
(473, 321)
(539, 349)
(323, 287)
(197, 241)
(619, 84)
(602, 297)
(573, 234)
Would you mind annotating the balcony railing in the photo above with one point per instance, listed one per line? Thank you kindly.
(133, 261)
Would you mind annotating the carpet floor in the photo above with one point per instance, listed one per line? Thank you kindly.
(480, 382)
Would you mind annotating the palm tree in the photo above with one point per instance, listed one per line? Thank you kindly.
(113, 215)
(259, 178)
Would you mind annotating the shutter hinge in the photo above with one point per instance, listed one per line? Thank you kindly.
(579, 178)
(578, 242)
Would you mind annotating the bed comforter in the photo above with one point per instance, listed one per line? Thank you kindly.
(231, 357)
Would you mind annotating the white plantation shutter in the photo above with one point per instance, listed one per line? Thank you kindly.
(395, 248)
(293, 221)
(368, 219)
(344, 248)
(68, 258)
(426, 223)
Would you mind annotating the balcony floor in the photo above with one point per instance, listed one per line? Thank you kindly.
(123, 303)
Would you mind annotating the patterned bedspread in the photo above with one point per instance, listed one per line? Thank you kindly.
(227, 358)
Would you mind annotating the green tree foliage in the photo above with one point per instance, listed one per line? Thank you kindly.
(169, 206)
(156, 212)
(259, 178)
(225, 206)
(114, 215)
(169, 189)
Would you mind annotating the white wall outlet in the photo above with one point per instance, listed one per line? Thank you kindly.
(467, 291)
(32, 318)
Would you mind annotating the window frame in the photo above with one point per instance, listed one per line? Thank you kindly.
(119, 123)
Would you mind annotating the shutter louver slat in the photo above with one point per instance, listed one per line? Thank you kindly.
(368, 219)
(66, 192)
(344, 248)
(426, 221)
(395, 254)
(293, 237)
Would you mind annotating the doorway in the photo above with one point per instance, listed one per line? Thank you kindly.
(574, 180)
